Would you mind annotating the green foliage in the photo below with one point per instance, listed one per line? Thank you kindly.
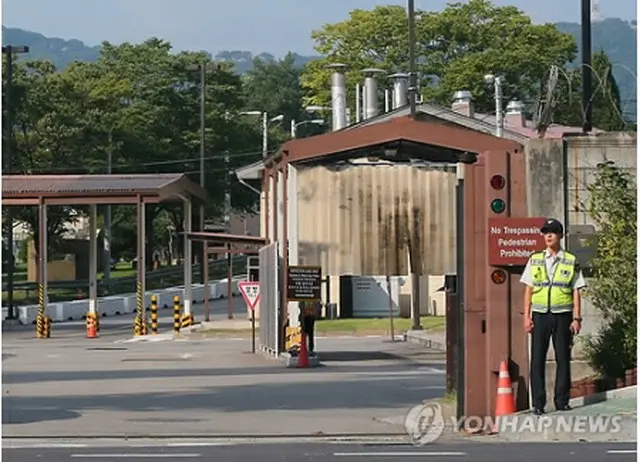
(457, 47)
(612, 205)
(140, 106)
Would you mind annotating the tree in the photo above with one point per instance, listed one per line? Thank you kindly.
(456, 48)
(605, 102)
(274, 86)
(612, 205)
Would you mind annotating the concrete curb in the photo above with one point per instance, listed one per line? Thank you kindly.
(418, 338)
(291, 362)
(619, 393)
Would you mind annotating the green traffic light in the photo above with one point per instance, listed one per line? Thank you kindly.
(498, 206)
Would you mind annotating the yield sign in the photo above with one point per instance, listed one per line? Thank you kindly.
(250, 293)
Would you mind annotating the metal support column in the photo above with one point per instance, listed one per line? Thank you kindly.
(93, 259)
(188, 258)
(43, 299)
(205, 269)
(140, 283)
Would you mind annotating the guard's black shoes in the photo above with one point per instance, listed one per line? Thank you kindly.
(565, 407)
(538, 411)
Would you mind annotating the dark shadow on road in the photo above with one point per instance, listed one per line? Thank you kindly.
(14, 378)
(368, 393)
(28, 413)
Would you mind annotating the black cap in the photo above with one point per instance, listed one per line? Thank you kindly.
(552, 226)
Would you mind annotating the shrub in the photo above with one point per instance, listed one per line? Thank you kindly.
(613, 207)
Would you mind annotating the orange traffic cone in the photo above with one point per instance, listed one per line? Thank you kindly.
(92, 331)
(505, 403)
(303, 358)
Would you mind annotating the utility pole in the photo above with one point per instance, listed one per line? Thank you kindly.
(107, 215)
(227, 226)
(202, 68)
(10, 50)
(587, 83)
(413, 78)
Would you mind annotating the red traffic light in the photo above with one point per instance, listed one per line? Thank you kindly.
(498, 277)
(498, 182)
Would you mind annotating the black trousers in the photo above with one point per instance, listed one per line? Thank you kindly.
(547, 326)
(308, 327)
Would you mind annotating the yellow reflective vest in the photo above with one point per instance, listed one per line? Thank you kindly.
(555, 293)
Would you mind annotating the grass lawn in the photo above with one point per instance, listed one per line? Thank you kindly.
(373, 326)
(377, 324)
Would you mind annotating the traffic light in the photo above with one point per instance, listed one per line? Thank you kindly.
(498, 183)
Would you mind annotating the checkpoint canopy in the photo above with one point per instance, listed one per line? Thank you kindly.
(94, 190)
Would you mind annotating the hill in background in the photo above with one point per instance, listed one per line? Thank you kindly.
(616, 37)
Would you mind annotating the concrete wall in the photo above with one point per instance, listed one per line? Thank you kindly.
(559, 172)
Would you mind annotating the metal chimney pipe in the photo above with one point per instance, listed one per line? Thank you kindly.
(371, 92)
(400, 90)
(338, 97)
(358, 107)
(387, 101)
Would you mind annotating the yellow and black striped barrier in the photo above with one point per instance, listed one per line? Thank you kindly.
(40, 317)
(186, 321)
(43, 326)
(176, 314)
(154, 314)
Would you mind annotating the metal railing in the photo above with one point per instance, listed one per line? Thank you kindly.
(156, 279)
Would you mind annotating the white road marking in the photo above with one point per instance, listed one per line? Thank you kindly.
(135, 456)
(44, 446)
(622, 451)
(198, 444)
(432, 369)
(399, 454)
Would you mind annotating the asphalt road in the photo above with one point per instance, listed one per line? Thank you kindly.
(122, 326)
(324, 452)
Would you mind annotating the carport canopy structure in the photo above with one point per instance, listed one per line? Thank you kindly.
(235, 244)
(406, 139)
(94, 190)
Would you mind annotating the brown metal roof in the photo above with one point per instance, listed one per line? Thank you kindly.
(398, 129)
(223, 238)
(97, 189)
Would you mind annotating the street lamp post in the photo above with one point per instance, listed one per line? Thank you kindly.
(294, 125)
(265, 128)
(10, 50)
(496, 81)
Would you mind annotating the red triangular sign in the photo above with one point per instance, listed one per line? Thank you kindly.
(250, 293)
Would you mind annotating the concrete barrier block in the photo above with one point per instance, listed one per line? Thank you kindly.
(5, 313)
(27, 314)
(109, 306)
(56, 311)
(165, 297)
(75, 310)
(129, 305)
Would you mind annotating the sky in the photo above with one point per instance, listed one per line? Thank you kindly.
(272, 26)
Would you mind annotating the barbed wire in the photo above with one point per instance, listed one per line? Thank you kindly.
(602, 80)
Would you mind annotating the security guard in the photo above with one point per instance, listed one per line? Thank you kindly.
(309, 311)
(553, 281)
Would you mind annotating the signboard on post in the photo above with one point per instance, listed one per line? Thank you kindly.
(513, 240)
(250, 292)
(304, 283)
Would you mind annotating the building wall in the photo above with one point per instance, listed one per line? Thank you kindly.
(559, 172)
(357, 220)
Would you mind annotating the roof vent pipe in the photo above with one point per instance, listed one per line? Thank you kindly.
(338, 97)
(400, 90)
(371, 92)
(515, 114)
(463, 103)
